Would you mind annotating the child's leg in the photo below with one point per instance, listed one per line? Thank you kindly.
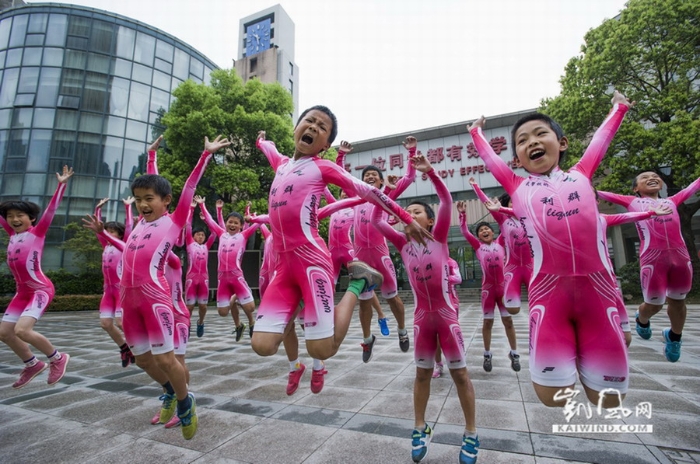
(325, 348)
(148, 364)
(16, 344)
(107, 324)
(249, 309)
(510, 332)
(398, 310)
(486, 330)
(181, 359)
(467, 398)
(24, 329)
(377, 307)
(677, 312)
(365, 314)
(202, 313)
(174, 371)
(291, 342)
(421, 395)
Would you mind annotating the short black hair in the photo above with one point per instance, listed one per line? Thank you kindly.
(538, 117)
(199, 229)
(504, 199)
(159, 184)
(236, 215)
(324, 109)
(428, 209)
(372, 168)
(118, 227)
(480, 225)
(31, 209)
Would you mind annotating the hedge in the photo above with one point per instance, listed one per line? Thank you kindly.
(66, 283)
(65, 303)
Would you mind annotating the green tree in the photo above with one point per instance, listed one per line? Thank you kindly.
(651, 53)
(232, 108)
(87, 251)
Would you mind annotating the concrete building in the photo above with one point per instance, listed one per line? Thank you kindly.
(266, 50)
(85, 88)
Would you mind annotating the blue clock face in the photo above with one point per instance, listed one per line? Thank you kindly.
(257, 37)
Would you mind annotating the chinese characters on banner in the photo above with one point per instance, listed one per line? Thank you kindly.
(437, 155)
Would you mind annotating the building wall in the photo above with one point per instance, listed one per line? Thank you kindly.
(84, 88)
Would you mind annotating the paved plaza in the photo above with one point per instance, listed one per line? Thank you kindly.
(100, 412)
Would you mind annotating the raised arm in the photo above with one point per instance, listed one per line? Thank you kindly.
(455, 277)
(42, 226)
(270, 151)
(328, 195)
(603, 136)
(473, 241)
(441, 228)
(259, 219)
(338, 205)
(500, 170)
(179, 216)
(398, 239)
(6, 226)
(622, 200)
(334, 175)
(213, 226)
(220, 213)
(128, 217)
(497, 215)
(98, 215)
(410, 144)
(686, 193)
(624, 218)
(344, 149)
(250, 230)
(265, 231)
(152, 163)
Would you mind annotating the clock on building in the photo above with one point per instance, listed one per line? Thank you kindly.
(257, 37)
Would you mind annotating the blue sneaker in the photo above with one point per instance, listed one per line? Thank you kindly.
(644, 332)
(200, 330)
(383, 326)
(672, 349)
(421, 440)
(470, 447)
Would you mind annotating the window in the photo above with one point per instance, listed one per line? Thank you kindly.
(75, 59)
(38, 22)
(32, 56)
(197, 68)
(48, 87)
(79, 26)
(142, 73)
(39, 146)
(291, 86)
(67, 119)
(95, 92)
(53, 57)
(9, 87)
(34, 184)
(118, 96)
(136, 130)
(181, 64)
(102, 37)
(253, 66)
(122, 68)
(139, 97)
(19, 29)
(87, 155)
(5, 26)
(28, 79)
(291, 68)
(125, 42)
(145, 48)
(56, 31)
(72, 82)
(98, 63)
(43, 118)
(164, 51)
(14, 58)
(22, 118)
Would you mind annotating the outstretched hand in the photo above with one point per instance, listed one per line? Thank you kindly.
(129, 200)
(391, 181)
(479, 123)
(417, 233)
(102, 203)
(219, 203)
(154, 146)
(618, 97)
(198, 199)
(462, 206)
(345, 146)
(421, 163)
(67, 173)
(261, 135)
(93, 223)
(493, 205)
(217, 144)
(410, 142)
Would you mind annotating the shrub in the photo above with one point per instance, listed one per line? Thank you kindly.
(65, 303)
(630, 283)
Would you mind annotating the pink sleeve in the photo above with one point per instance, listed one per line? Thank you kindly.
(398, 239)
(152, 163)
(334, 175)
(270, 151)
(98, 215)
(601, 140)
(210, 241)
(265, 231)
(128, 220)
(340, 159)
(250, 231)
(686, 193)
(328, 195)
(338, 205)
(179, 216)
(473, 241)
(260, 219)
(441, 229)
(497, 215)
(42, 227)
(622, 200)
(406, 180)
(624, 218)
(500, 170)
(213, 226)
(455, 277)
(118, 244)
(220, 216)
(188, 227)
(174, 261)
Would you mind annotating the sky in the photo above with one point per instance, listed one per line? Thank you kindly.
(394, 66)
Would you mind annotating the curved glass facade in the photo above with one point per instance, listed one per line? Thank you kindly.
(84, 88)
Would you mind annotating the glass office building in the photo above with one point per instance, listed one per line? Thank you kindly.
(82, 87)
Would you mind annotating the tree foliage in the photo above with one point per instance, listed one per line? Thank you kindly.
(87, 251)
(651, 53)
(231, 108)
